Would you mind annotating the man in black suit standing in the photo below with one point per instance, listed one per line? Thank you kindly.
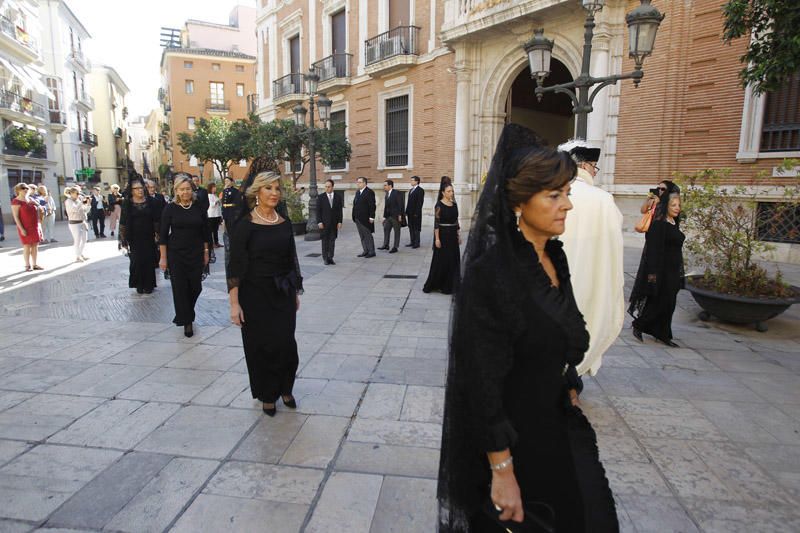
(329, 214)
(392, 216)
(364, 217)
(200, 193)
(416, 197)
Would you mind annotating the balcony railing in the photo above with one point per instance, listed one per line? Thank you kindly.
(39, 154)
(212, 104)
(333, 66)
(86, 99)
(58, 117)
(87, 137)
(289, 84)
(400, 41)
(18, 34)
(20, 104)
(78, 57)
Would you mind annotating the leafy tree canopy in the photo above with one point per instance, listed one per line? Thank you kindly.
(218, 141)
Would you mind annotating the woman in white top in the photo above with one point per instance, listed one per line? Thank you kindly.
(214, 213)
(77, 208)
(49, 221)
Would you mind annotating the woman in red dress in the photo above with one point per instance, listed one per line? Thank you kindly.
(26, 216)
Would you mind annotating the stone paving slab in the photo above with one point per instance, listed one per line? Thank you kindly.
(141, 429)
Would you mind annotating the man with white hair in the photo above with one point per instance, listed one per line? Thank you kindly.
(593, 243)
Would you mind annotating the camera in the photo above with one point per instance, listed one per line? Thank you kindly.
(654, 192)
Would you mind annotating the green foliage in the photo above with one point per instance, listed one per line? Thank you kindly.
(332, 145)
(25, 139)
(163, 169)
(720, 223)
(294, 201)
(774, 54)
(218, 141)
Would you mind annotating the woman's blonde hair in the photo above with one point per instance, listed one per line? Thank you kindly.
(44, 188)
(261, 180)
(70, 190)
(180, 181)
(19, 186)
(114, 187)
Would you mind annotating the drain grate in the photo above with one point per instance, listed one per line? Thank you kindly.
(399, 276)
(314, 255)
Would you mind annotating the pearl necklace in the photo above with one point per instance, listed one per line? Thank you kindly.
(273, 221)
(187, 207)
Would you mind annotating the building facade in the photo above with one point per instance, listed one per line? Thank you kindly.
(211, 74)
(144, 134)
(27, 154)
(110, 125)
(426, 86)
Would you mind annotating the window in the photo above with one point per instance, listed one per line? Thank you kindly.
(781, 127)
(217, 92)
(188, 64)
(189, 87)
(778, 222)
(190, 123)
(338, 120)
(239, 68)
(294, 54)
(339, 33)
(54, 84)
(240, 89)
(397, 131)
(215, 67)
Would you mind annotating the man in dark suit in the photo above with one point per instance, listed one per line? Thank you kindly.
(392, 216)
(416, 197)
(200, 193)
(364, 217)
(329, 215)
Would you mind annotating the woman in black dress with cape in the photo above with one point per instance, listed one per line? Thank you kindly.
(138, 227)
(660, 274)
(515, 444)
(445, 271)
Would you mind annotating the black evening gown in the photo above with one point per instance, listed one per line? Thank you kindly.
(185, 232)
(445, 271)
(138, 226)
(516, 341)
(653, 302)
(263, 264)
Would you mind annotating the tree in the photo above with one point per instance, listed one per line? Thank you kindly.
(218, 141)
(774, 51)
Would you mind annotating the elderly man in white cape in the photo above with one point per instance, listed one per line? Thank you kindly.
(593, 244)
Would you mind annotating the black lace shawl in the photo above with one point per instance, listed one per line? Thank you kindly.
(502, 275)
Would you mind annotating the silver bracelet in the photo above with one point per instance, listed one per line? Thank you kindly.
(502, 464)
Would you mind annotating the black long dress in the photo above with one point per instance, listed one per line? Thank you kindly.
(516, 341)
(185, 232)
(138, 226)
(658, 280)
(263, 265)
(445, 271)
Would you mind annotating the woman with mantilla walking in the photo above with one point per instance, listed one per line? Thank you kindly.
(138, 227)
(517, 452)
(264, 282)
(184, 241)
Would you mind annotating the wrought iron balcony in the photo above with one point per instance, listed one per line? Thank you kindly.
(464, 18)
(87, 137)
(19, 35)
(85, 99)
(288, 89)
(219, 106)
(395, 48)
(58, 119)
(333, 71)
(21, 106)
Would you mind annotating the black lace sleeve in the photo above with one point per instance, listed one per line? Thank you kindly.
(237, 266)
(437, 214)
(164, 226)
(655, 249)
(298, 275)
(123, 227)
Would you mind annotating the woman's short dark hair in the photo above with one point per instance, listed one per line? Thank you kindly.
(541, 169)
(212, 187)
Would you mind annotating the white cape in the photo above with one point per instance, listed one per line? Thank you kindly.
(593, 244)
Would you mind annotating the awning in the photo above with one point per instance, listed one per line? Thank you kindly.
(29, 78)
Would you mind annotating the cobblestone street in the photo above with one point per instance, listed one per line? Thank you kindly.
(112, 420)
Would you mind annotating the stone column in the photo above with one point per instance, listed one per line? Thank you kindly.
(598, 119)
(362, 34)
(462, 179)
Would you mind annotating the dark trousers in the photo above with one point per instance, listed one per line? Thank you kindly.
(414, 230)
(390, 224)
(367, 241)
(186, 277)
(98, 217)
(214, 223)
(227, 242)
(328, 238)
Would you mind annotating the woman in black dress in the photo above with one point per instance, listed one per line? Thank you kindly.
(264, 282)
(138, 229)
(515, 445)
(184, 241)
(445, 272)
(660, 274)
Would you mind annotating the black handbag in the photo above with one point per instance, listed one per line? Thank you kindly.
(539, 518)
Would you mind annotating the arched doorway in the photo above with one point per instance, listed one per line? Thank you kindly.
(551, 118)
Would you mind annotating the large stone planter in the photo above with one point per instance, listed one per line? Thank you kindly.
(739, 309)
(299, 228)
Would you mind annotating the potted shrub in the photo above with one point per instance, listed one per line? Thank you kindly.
(26, 142)
(294, 207)
(724, 229)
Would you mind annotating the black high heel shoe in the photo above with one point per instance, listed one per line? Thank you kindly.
(269, 411)
(187, 330)
(290, 403)
(670, 344)
(638, 334)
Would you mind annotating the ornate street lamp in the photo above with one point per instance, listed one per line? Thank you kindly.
(299, 114)
(200, 166)
(643, 25)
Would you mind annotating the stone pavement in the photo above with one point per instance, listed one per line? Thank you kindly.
(111, 420)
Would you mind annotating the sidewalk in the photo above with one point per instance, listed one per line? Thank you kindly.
(111, 420)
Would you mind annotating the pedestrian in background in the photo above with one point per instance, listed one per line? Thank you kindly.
(49, 219)
(214, 213)
(185, 247)
(364, 217)
(329, 218)
(114, 207)
(416, 198)
(264, 282)
(98, 214)
(26, 216)
(159, 202)
(138, 228)
(392, 216)
(77, 208)
(445, 271)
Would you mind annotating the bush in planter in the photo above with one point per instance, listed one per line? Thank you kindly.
(25, 139)
(720, 223)
(294, 202)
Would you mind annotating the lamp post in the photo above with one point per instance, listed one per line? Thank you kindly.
(643, 24)
(200, 166)
(324, 105)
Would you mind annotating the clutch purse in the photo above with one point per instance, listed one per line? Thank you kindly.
(539, 518)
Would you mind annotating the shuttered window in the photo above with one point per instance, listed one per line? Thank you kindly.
(397, 131)
(338, 117)
(781, 129)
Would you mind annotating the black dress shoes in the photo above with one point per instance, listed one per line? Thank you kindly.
(383, 247)
(369, 255)
(409, 245)
(415, 246)
(362, 254)
(671, 344)
(325, 261)
(290, 403)
(269, 411)
(331, 262)
(393, 251)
